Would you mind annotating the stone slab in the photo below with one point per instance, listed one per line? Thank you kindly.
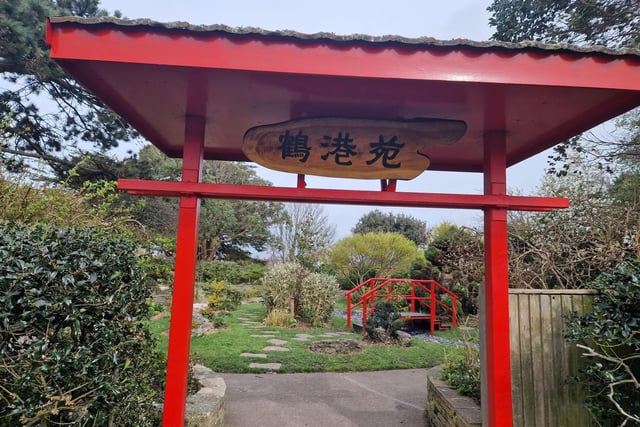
(276, 341)
(254, 355)
(274, 348)
(263, 336)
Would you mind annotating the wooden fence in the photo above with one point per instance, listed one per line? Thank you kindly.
(542, 360)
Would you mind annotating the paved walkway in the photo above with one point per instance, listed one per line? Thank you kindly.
(372, 399)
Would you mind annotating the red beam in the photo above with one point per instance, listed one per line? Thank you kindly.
(352, 197)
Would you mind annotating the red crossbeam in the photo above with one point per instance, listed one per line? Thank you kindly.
(352, 197)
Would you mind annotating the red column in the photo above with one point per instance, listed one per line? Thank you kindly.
(184, 280)
(494, 295)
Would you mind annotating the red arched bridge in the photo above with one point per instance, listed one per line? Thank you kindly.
(422, 295)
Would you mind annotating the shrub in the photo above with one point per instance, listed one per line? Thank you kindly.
(278, 317)
(611, 342)
(282, 285)
(221, 296)
(317, 298)
(74, 349)
(462, 370)
(385, 316)
(232, 272)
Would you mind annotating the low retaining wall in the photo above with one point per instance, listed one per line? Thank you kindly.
(446, 407)
(206, 407)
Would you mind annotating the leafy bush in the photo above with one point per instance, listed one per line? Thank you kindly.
(462, 370)
(281, 318)
(74, 349)
(221, 296)
(610, 338)
(385, 316)
(232, 272)
(217, 318)
(317, 298)
(290, 287)
(282, 285)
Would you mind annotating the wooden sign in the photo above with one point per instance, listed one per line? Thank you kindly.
(350, 148)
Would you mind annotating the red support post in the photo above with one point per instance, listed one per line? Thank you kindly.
(432, 314)
(184, 279)
(495, 357)
(349, 311)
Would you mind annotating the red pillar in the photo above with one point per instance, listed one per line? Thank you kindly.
(495, 349)
(184, 279)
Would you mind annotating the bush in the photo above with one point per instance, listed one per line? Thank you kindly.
(462, 370)
(232, 272)
(281, 318)
(221, 296)
(317, 298)
(74, 349)
(610, 340)
(385, 316)
(282, 285)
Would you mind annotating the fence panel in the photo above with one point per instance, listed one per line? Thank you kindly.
(542, 360)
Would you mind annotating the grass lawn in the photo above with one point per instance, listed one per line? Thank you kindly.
(221, 351)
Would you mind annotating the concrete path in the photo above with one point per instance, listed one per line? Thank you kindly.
(371, 399)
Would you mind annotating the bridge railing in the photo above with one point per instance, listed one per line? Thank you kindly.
(382, 288)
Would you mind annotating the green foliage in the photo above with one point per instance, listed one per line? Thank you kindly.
(221, 296)
(74, 348)
(386, 316)
(610, 336)
(218, 319)
(457, 257)
(317, 298)
(72, 116)
(361, 256)
(280, 318)
(282, 285)
(462, 370)
(377, 222)
(238, 273)
(612, 23)
(309, 297)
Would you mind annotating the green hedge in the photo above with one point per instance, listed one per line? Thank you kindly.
(74, 349)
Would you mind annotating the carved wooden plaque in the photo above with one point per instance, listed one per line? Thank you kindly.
(350, 148)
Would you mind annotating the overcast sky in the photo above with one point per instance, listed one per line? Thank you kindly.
(451, 19)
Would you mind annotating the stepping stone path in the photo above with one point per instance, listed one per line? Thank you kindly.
(277, 342)
(303, 337)
(254, 355)
(275, 348)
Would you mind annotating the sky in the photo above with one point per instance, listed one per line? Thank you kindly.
(452, 19)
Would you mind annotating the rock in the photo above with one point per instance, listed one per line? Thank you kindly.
(341, 346)
(380, 334)
(404, 339)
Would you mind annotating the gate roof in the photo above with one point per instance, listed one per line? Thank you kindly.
(154, 75)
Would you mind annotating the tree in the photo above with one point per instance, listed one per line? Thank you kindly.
(77, 123)
(303, 235)
(611, 23)
(457, 256)
(569, 248)
(377, 222)
(609, 339)
(231, 229)
(362, 256)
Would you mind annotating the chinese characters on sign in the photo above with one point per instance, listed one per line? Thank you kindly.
(350, 148)
(340, 148)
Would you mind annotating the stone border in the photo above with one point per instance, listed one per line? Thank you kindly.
(446, 407)
(206, 407)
